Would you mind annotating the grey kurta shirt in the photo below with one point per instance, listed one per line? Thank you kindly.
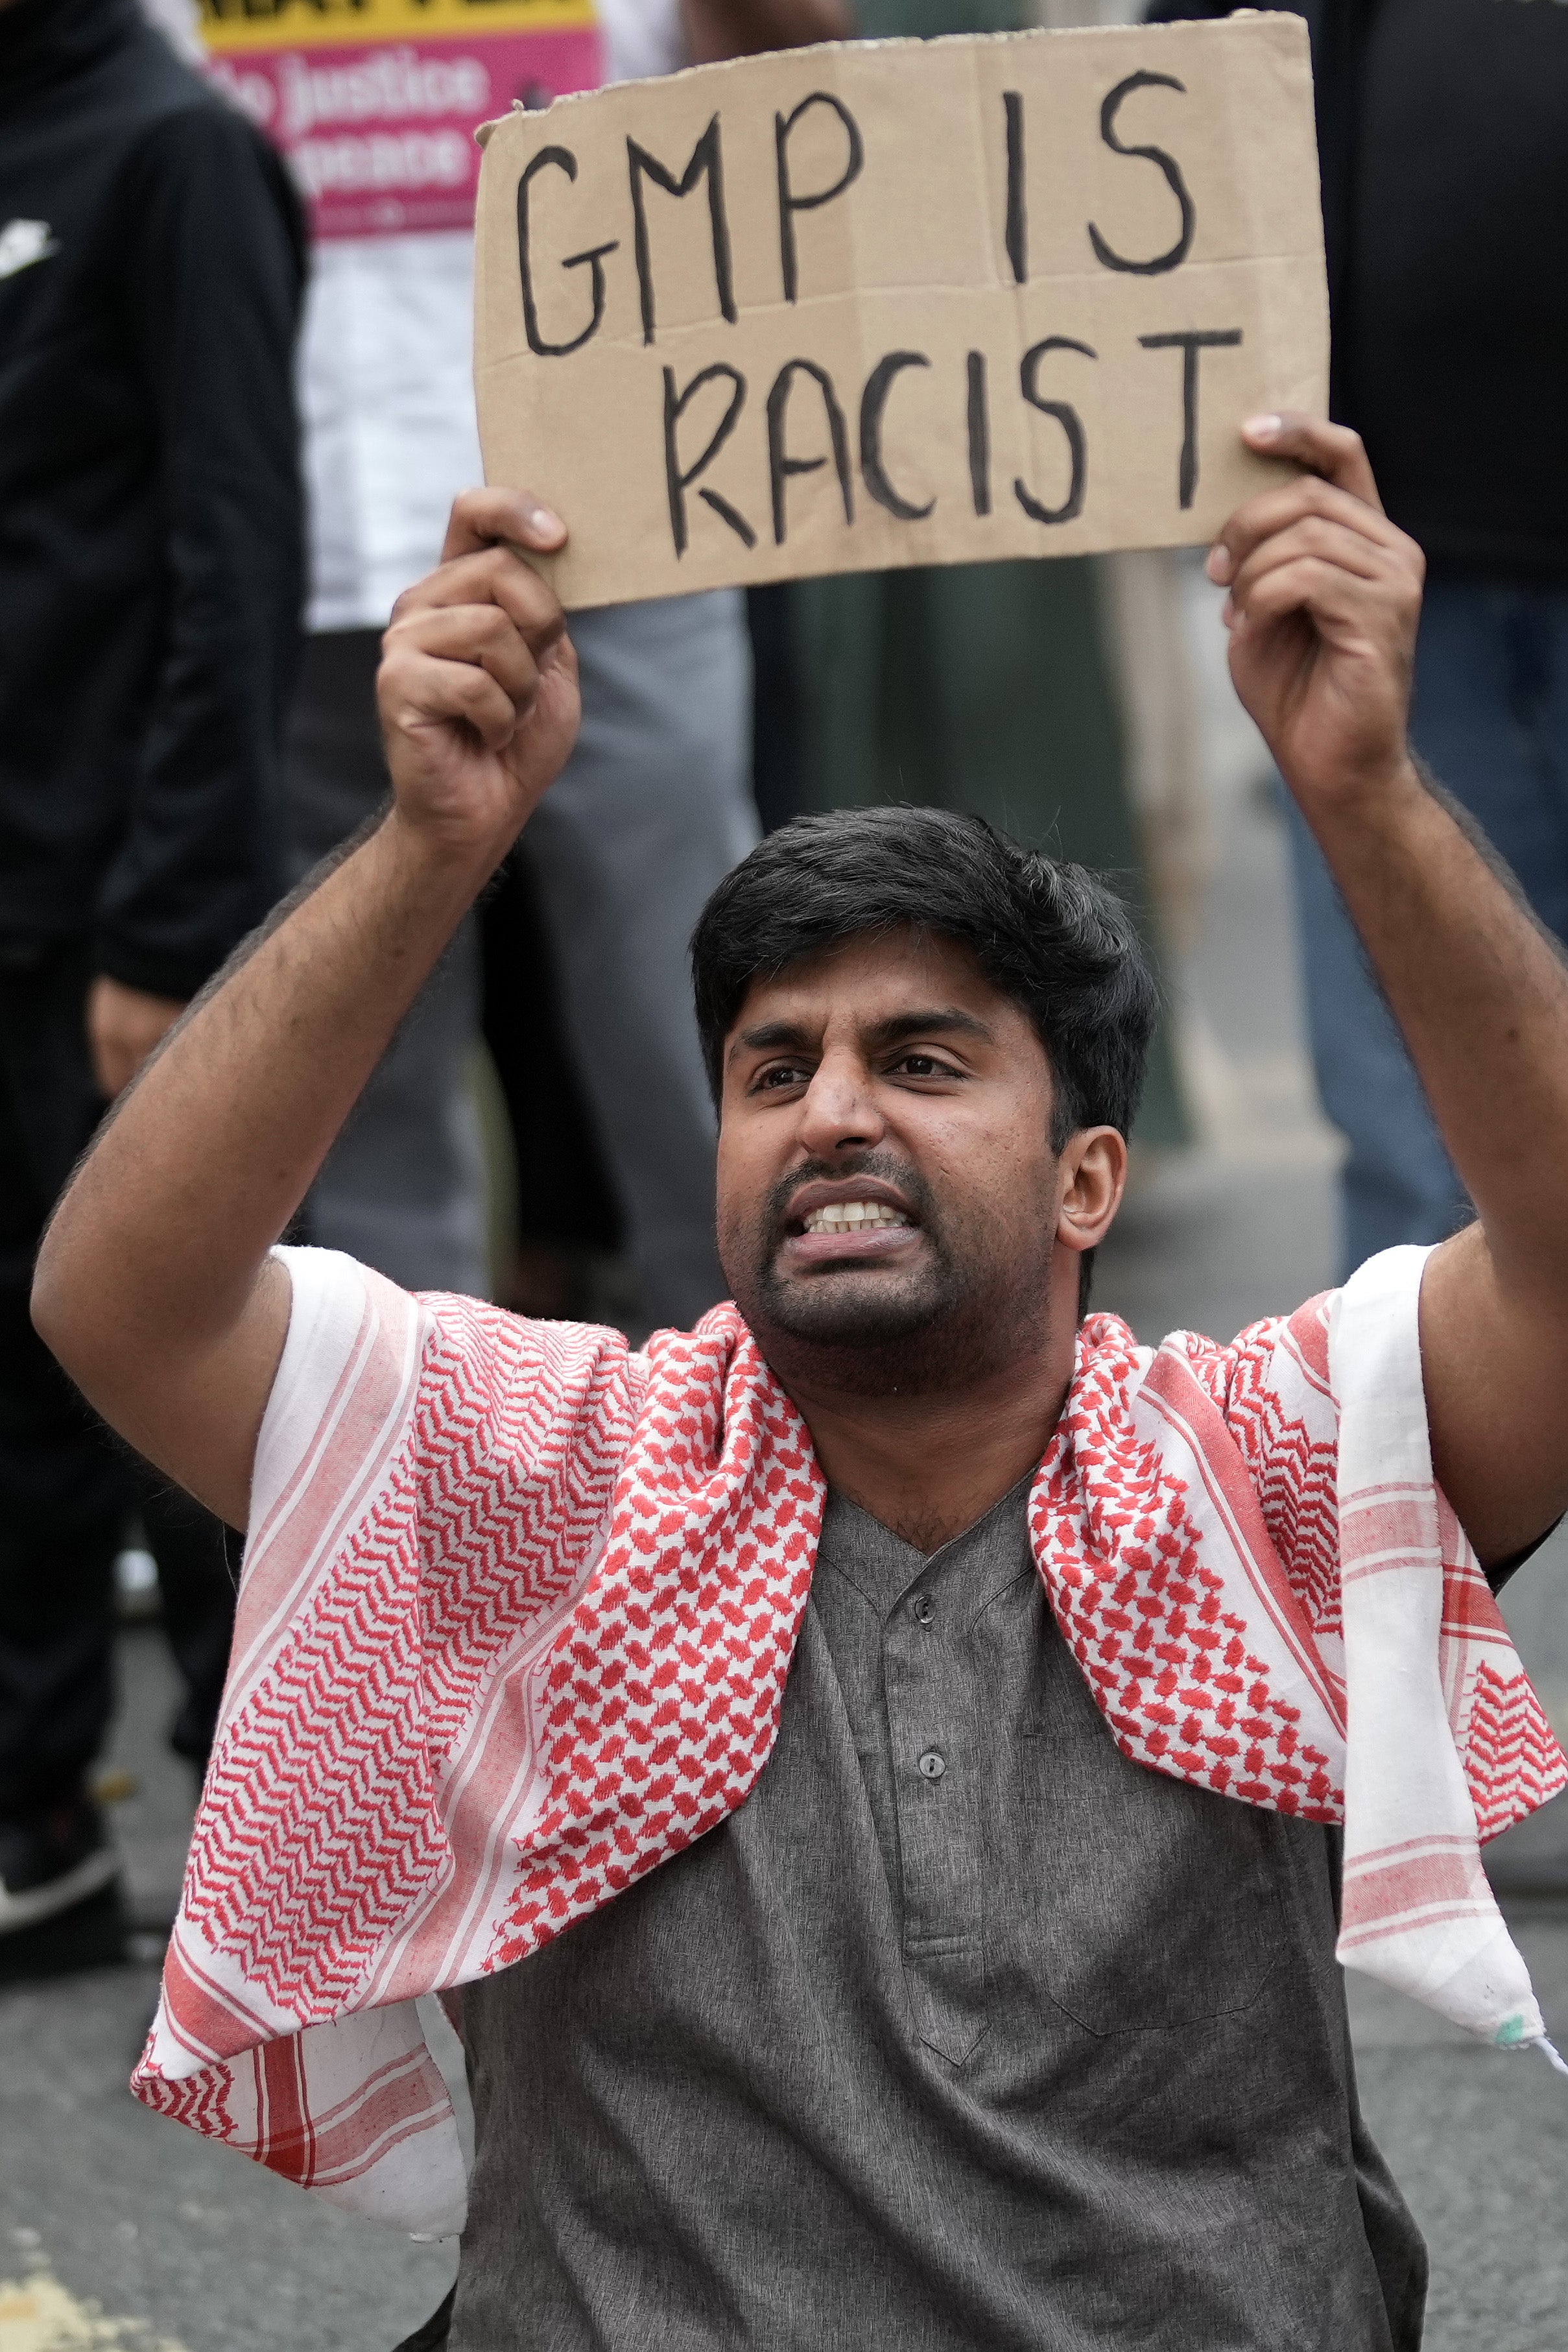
(963, 2033)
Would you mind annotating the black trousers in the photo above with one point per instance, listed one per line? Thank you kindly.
(66, 1485)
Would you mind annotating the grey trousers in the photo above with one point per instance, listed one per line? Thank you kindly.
(653, 808)
(651, 814)
(403, 1187)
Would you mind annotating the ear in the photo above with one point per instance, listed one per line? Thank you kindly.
(1093, 1171)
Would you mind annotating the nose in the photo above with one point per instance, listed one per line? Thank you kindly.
(838, 1111)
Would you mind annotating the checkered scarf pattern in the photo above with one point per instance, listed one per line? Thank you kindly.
(519, 1604)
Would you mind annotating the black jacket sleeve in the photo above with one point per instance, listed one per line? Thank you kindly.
(212, 292)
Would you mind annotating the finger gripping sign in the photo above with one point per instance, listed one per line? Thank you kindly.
(901, 302)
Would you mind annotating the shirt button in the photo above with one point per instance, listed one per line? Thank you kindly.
(933, 1764)
(923, 1608)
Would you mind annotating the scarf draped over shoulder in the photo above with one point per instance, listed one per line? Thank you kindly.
(518, 1605)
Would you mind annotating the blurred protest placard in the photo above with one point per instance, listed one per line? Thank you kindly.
(374, 102)
(901, 302)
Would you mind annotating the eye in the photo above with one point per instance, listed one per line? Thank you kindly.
(776, 1074)
(922, 1065)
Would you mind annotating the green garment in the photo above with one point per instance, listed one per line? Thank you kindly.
(883, 20)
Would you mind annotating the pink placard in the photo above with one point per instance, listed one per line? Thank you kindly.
(380, 136)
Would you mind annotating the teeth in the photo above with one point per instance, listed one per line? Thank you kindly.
(853, 1217)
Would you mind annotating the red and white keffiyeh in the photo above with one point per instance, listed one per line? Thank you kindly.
(518, 1605)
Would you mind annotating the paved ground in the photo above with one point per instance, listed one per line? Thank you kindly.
(184, 2249)
(123, 2208)
(1479, 2142)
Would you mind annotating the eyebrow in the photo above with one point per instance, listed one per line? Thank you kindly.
(932, 1017)
(771, 1037)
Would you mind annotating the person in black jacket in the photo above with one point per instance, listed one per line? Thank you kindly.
(1444, 182)
(151, 270)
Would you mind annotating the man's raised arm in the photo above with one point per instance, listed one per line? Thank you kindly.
(153, 1286)
(1324, 598)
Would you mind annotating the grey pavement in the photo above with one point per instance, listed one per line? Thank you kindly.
(138, 2215)
(184, 2248)
(1478, 2140)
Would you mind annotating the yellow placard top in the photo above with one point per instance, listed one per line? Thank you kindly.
(232, 26)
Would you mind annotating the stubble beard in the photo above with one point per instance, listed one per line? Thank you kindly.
(969, 1304)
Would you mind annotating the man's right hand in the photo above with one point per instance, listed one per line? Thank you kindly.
(124, 1027)
(477, 686)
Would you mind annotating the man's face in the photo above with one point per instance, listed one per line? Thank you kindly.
(887, 1192)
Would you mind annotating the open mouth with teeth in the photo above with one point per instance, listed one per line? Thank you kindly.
(852, 1229)
(853, 1217)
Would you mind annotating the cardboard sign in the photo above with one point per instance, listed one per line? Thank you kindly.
(374, 102)
(901, 302)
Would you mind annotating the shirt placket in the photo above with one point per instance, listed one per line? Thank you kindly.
(933, 1723)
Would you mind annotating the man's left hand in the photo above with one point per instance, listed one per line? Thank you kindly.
(1325, 595)
(124, 1027)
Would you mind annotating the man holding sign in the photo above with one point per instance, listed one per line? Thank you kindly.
(1020, 1717)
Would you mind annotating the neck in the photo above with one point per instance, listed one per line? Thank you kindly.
(929, 1464)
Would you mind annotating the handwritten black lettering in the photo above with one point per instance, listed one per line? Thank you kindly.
(979, 420)
(1189, 345)
(676, 482)
(1017, 209)
(873, 400)
(789, 204)
(1172, 259)
(779, 466)
(1071, 423)
(562, 160)
(706, 162)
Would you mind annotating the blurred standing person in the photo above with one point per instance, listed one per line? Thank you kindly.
(1444, 168)
(656, 804)
(151, 266)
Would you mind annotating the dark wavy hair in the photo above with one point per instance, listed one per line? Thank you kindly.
(1051, 936)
